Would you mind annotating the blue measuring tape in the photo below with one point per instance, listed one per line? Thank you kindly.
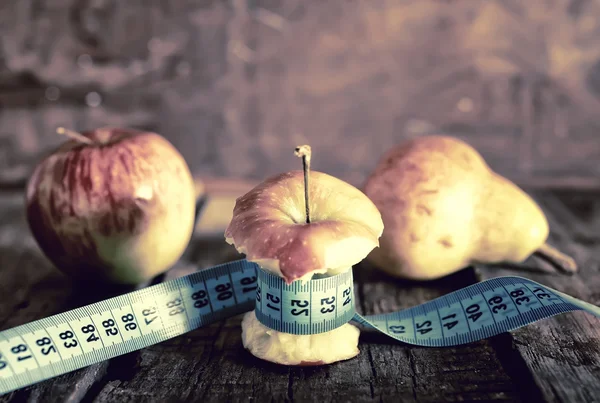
(58, 344)
(470, 314)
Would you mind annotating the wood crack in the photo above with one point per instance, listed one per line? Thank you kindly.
(290, 390)
(211, 356)
(120, 369)
(413, 373)
(73, 387)
(373, 370)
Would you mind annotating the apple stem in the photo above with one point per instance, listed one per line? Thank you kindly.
(74, 135)
(561, 261)
(305, 152)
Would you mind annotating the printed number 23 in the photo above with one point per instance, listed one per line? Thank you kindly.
(328, 301)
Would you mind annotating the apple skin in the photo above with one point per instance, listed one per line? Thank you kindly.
(120, 210)
(268, 225)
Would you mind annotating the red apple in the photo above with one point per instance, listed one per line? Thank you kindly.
(112, 204)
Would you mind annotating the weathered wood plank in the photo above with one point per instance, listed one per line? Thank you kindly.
(208, 364)
(563, 353)
(30, 289)
(223, 370)
(553, 360)
(414, 373)
(384, 370)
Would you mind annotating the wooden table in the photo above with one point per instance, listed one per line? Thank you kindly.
(557, 359)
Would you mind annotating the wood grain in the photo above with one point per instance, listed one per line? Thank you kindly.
(555, 360)
(31, 289)
(411, 373)
(564, 350)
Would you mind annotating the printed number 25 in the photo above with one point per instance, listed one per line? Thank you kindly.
(301, 303)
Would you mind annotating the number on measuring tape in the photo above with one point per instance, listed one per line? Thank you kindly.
(42, 347)
(149, 320)
(5, 370)
(61, 343)
(245, 286)
(222, 293)
(500, 304)
(310, 307)
(20, 357)
(299, 307)
(200, 298)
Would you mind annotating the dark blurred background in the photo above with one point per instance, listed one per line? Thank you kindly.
(235, 85)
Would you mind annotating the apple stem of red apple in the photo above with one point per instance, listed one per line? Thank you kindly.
(305, 152)
(74, 135)
(561, 261)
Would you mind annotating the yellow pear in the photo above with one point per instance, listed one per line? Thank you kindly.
(444, 208)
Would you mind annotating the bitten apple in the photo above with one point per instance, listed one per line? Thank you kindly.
(296, 229)
(115, 205)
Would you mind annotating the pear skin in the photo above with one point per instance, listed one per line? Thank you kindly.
(444, 208)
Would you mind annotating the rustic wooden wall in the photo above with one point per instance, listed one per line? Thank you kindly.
(237, 84)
